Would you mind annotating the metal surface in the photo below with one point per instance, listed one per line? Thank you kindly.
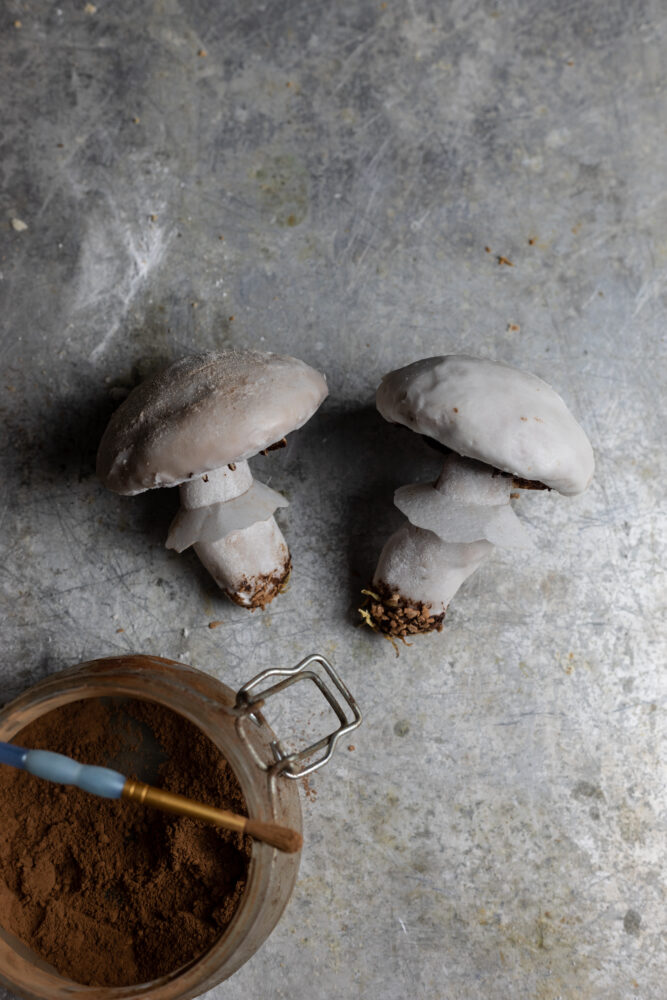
(252, 694)
(324, 180)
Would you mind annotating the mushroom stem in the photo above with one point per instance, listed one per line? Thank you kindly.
(454, 524)
(467, 482)
(416, 577)
(216, 486)
(252, 563)
(468, 502)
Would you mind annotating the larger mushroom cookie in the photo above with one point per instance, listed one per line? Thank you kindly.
(195, 425)
(502, 429)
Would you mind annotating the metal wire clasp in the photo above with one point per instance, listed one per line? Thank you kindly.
(248, 697)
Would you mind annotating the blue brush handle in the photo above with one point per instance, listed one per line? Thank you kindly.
(14, 756)
(56, 767)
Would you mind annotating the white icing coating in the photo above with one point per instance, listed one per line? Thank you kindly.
(208, 523)
(244, 556)
(421, 567)
(216, 486)
(468, 502)
(452, 522)
(465, 481)
(203, 412)
(490, 411)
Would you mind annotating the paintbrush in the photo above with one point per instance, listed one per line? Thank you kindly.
(110, 784)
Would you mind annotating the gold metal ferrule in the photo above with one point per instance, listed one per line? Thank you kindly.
(170, 802)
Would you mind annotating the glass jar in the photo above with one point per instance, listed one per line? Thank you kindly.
(236, 726)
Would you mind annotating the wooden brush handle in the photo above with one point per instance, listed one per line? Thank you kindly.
(269, 833)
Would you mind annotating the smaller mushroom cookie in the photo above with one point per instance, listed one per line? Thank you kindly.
(502, 429)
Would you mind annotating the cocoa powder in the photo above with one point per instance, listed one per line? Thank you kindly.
(108, 892)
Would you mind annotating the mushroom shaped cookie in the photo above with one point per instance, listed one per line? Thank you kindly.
(194, 425)
(502, 429)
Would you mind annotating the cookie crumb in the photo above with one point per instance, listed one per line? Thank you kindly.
(398, 617)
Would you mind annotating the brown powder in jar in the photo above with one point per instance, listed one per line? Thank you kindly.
(108, 892)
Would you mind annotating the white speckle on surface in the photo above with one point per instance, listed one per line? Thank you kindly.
(118, 255)
(18, 225)
(557, 137)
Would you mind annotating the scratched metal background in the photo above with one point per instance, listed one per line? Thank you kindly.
(324, 180)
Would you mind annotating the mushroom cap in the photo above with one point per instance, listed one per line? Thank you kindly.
(490, 411)
(203, 412)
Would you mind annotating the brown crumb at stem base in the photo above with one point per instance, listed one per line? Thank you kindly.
(395, 615)
(261, 589)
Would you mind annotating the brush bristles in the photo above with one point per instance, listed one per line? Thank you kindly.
(281, 837)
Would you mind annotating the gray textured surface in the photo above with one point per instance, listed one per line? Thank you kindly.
(499, 830)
